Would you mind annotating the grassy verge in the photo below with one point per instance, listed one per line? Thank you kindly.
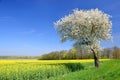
(109, 70)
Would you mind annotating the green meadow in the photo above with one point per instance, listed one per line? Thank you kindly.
(109, 70)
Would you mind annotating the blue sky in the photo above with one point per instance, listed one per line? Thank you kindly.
(26, 26)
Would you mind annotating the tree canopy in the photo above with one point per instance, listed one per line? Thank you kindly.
(86, 28)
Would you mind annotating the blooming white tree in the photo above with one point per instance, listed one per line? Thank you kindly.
(86, 28)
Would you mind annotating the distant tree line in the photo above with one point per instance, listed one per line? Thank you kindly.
(111, 53)
(19, 57)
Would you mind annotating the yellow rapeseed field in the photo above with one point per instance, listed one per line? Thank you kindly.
(48, 61)
(38, 69)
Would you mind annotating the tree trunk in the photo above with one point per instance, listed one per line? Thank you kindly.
(96, 61)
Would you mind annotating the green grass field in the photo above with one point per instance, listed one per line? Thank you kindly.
(109, 70)
(59, 70)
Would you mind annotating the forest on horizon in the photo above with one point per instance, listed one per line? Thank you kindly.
(107, 53)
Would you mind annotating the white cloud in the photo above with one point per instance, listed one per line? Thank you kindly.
(116, 35)
(28, 31)
(112, 6)
(7, 18)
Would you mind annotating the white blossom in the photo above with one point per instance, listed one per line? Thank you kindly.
(85, 27)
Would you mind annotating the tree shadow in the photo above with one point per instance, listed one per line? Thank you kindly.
(73, 66)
